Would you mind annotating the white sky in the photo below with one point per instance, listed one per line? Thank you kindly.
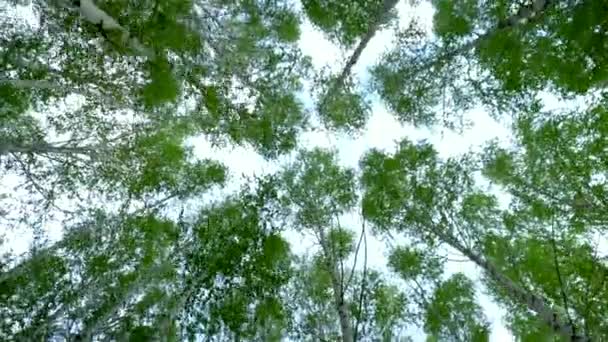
(382, 131)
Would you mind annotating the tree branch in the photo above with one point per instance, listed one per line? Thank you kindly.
(511, 22)
(362, 291)
(48, 85)
(107, 23)
(352, 272)
(559, 276)
(7, 147)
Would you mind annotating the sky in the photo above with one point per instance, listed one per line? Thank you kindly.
(382, 132)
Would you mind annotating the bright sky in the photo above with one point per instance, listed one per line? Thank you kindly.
(382, 131)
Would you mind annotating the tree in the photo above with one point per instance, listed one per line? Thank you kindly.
(378, 307)
(143, 276)
(558, 213)
(347, 22)
(95, 82)
(339, 104)
(319, 191)
(488, 53)
(99, 101)
(446, 309)
(436, 202)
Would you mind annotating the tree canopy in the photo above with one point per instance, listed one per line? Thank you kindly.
(114, 226)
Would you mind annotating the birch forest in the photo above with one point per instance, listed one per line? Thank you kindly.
(304, 170)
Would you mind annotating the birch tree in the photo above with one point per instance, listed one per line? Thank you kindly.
(145, 276)
(436, 203)
(489, 53)
(95, 93)
(319, 191)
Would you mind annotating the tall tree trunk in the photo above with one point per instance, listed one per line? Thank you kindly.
(516, 292)
(337, 282)
(7, 147)
(387, 6)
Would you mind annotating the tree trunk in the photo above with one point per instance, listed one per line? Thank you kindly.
(387, 5)
(53, 86)
(337, 286)
(8, 147)
(345, 323)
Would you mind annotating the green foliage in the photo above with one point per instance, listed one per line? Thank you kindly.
(344, 110)
(287, 26)
(162, 87)
(342, 242)
(453, 313)
(318, 188)
(454, 19)
(92, 280)
(487, 53)
(276, 249)
(391, 183)
(412, 263)
(13, 102)
(500, 165)
(228, 71)
(343, 22)
(420, 83)
(390, 305)
(273, 128)
(314, 301)
(159, 163)
(381, 315)
(141, 334)
(224, 269)
(98, 121)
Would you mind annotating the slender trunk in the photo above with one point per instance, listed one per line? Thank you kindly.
(532, 301)
(337, 286)
(387, 6)
(41, 148)
(25, 84)
(345, 322)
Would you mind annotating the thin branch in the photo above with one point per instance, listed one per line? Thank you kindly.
(50, 201)
(352, 272)
(419, 290)
(362, 291)
(342, 287)
(559, 277)
(457, 260)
